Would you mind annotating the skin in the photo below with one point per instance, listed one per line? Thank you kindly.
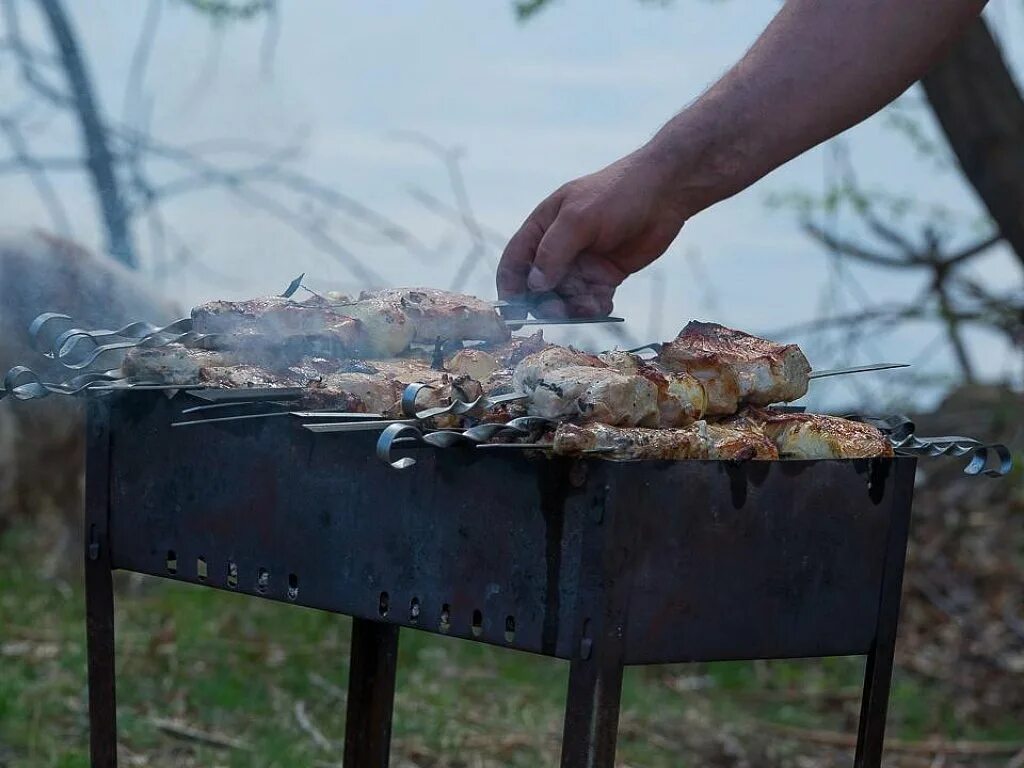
(820, 67)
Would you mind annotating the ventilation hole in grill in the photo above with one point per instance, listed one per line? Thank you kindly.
(414, 610)
(446, 618)
(232, 574)
(478, 623)
(262, 579)
(382, 604)
(293, 586)
(201, 568)
(172, 561)
(510, 629)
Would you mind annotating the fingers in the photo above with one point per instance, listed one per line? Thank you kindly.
(586, 291)
(568, 235)
(517, 258)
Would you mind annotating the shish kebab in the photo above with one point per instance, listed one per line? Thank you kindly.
(701, 396)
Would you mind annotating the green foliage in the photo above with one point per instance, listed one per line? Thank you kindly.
(236, 667)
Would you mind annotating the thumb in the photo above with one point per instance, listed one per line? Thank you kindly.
(567, 236)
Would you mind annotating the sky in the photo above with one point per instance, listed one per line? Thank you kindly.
(529, 106)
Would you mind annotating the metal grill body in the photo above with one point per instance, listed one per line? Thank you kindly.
(604, 564)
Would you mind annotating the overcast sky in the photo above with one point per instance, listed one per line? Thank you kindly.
(532, 105)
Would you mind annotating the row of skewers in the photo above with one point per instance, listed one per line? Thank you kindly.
(430, 367)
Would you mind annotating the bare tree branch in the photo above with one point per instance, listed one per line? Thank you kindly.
(857, 251)
(100, 162)
(450, 157)
(24, 160)
(974, 250)
(271, 34)
(28, 58)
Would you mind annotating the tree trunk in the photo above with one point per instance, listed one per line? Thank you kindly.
(100, 161)
(981, 111)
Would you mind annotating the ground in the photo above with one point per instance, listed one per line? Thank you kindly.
(214, 679)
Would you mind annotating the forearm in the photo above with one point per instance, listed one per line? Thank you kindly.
(820, 67)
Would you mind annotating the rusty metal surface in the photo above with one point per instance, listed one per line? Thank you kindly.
(722, 561)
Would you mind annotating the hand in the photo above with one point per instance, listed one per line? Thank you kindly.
(578, 245)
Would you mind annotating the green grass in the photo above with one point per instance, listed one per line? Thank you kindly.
(237, 667)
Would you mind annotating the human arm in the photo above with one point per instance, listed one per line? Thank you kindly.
(819, 67)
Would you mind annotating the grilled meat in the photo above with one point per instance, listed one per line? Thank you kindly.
(172, 364)
(532, 368)
(476, 363)
(362, 393)
(243, 376)
(735, 367)
(681, 397)
(274, 317)
(276, 330)
(698, 441)
(436, 314)
(388, 325)
(816, 436)
(511, 352)
(589, 394)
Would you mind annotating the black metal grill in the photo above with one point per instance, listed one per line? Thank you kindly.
(601, 563)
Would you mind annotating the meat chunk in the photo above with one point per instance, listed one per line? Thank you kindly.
(511, 352)
(242, 376)
(816, 436)
(256, 326)
(475, 363)
(437, 314)
(533, 368)
(589, 394)
(387, 324)
(361, 392)
(728, 442)
(172, 364)
(681, 397)
(698, 441)
(735, 367)
(627, 444)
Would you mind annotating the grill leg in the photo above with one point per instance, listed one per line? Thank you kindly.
(592, 712)
(873, 710)
(99, 594)
(371, 694)
(99, 623)
(878, 675)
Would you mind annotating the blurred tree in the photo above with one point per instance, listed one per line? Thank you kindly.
(133, 174)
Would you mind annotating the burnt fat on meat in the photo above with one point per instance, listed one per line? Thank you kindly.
(735, 367)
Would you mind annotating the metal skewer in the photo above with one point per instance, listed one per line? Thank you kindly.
(568, 321)
(358, 426)
(857, 369)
